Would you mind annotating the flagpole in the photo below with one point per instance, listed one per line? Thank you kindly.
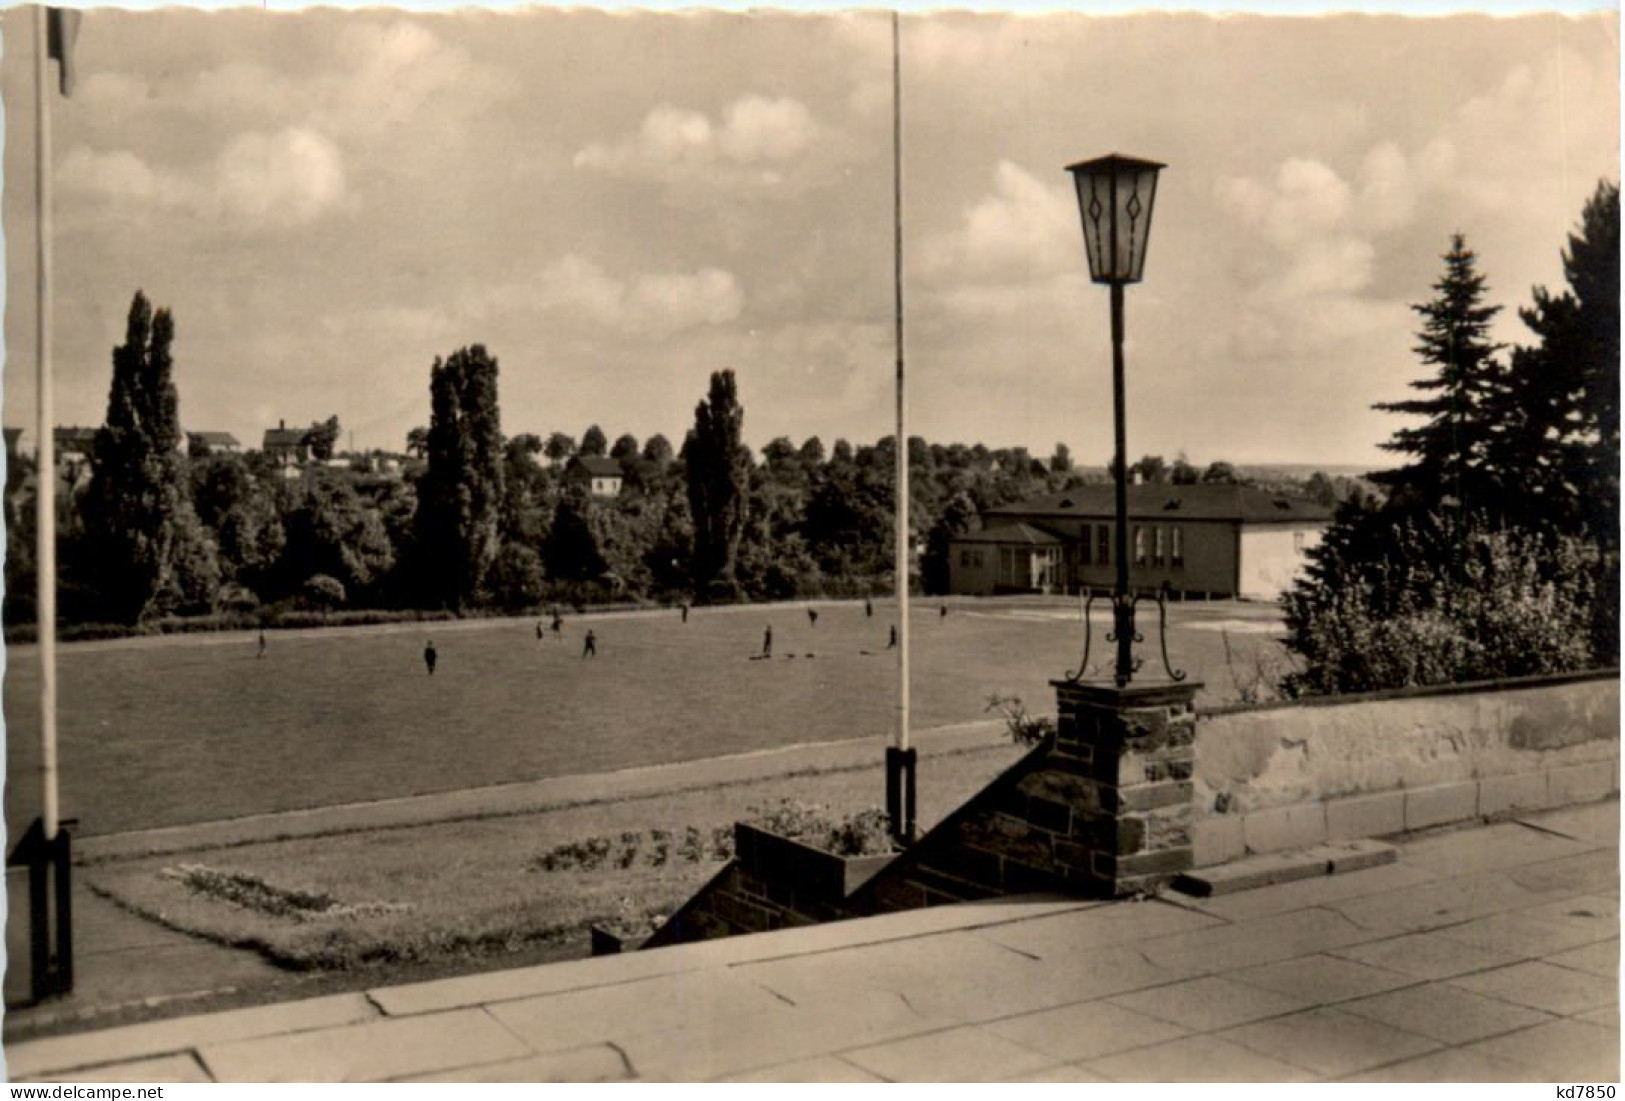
(905, 827)
(45, 495)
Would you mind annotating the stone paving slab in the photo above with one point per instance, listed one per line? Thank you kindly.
(1430, 956)
(1539, 985)
(1444, 1013)
(967, 1054)
(1196, 1059)
(1322, 980)
(1277, 937)
(59, 1053)
(1450, 1065)
(824, 1069)
(1211, 1003)
(1086, 1030)
(164, 1068)
(372, 1052)
(1328, 1042)
(1566, 1051)
(595, 1063)
(1601, 958)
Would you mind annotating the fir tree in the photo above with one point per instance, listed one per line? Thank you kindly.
(1562, 407)
(1451, 451)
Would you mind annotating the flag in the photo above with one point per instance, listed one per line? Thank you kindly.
(61, 28)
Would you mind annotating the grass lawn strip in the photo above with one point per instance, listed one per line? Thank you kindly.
(478, 889)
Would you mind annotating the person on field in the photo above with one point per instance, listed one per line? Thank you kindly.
(767, 642)
(812, 617)
(892, 644)
(538, 630)
(684, 608)
(942, 611)
(558, 623)
(262, 644)
(589, 648)
(868, 608)
(430, 657)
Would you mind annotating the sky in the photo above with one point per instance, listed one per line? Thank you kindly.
(617, 205)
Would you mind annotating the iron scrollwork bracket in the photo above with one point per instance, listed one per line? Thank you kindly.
(1088, 632)
(1161, 597)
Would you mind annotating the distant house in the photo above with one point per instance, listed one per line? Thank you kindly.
(1213, 540)
(603, 475)
(73, 448)
(216, 443)
(287, 446)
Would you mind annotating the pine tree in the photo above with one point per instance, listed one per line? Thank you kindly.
(460, 498)
(151, 555)
(1452, 450)
(718, 468)
(1562, 407)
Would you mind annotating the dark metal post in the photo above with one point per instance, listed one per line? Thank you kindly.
(1122, 604)
(50, 906)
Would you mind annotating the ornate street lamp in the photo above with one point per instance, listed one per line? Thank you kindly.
(1115, 197)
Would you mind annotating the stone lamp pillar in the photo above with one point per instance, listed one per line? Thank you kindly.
(1133, 751)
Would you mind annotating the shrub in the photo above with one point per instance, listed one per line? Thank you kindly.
(1023, 728)
(1427, 602)
(322, 591)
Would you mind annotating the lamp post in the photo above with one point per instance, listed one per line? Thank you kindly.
(1115, 196)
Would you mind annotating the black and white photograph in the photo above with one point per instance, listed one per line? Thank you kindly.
(558, 545)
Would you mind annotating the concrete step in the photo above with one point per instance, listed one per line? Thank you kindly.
(1284, 867)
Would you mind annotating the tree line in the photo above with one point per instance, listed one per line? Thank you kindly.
(479, 521)
(1494, 549)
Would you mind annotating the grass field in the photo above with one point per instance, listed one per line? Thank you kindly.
(471, 890)
(197, 728)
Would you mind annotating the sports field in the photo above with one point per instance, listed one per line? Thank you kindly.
(196, 728)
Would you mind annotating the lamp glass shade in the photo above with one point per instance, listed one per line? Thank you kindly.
(1115, 197)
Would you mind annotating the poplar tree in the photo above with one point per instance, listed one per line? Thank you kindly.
(718, 472)
(461, 495)
(150, 553)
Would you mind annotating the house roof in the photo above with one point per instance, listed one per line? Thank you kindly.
(216, 439)
(1166, 502)
(74, 435)
(1011, 533)
(284, 437)
(598, 466)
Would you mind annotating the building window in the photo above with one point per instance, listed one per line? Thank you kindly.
(1157, 555)
(1086, 546)
(1104, 557)
(1176, 547)
(1139, 545)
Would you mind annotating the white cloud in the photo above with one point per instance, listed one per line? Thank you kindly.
(754, 140)
(259, 181)
(652, 304)
(291, 177)
(1024, 230)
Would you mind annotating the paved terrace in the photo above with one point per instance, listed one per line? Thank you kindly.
(1485, 954)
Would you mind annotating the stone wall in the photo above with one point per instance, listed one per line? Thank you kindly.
(1288, 775)
(1135, 787)
(771, 883)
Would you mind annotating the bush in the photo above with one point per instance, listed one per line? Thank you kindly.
(1431, 603)
(236, 599)
(322, 591)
